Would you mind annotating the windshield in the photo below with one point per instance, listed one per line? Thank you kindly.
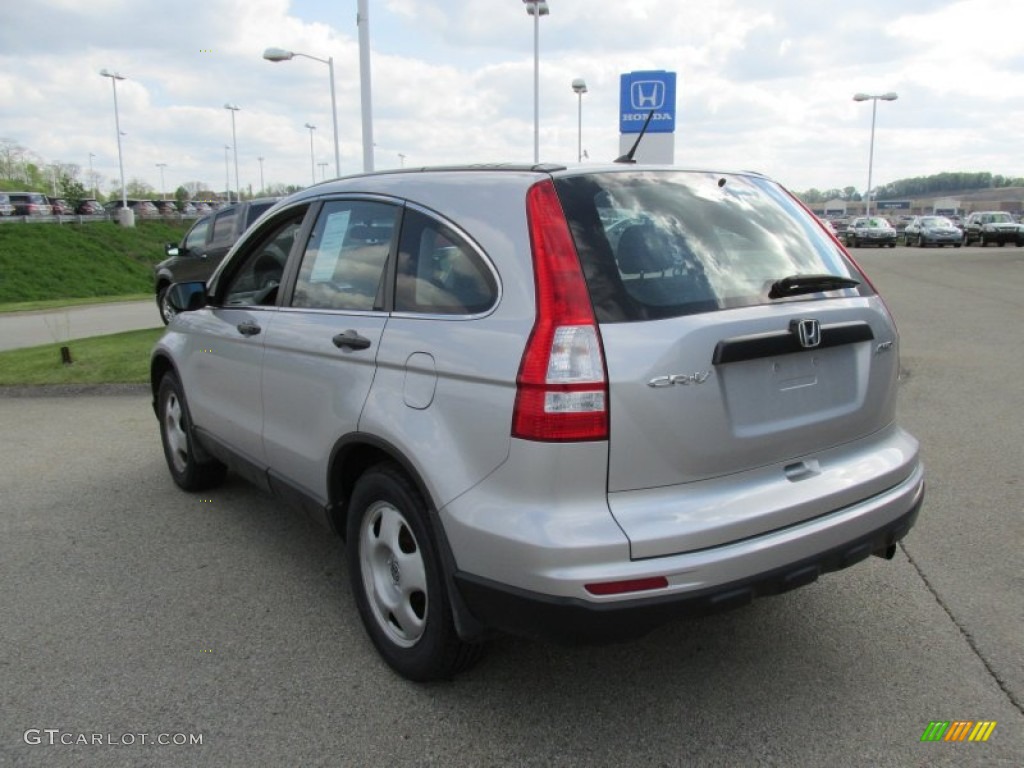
(936, 221)
(1001, 218)
(667, 243)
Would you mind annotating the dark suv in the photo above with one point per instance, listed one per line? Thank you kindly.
(986, 227)
(203, 247)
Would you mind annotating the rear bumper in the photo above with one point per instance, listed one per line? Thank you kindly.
(765, 565)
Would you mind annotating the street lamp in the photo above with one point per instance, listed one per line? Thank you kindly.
(580, 86)
(163, 193)
(536, 8)
(401, 160)
(279, 54)
(234, 140)
(227, 174)
(871, 152)
(125, 216)
(92, 176)
(323, 170)
(312, 162)
(262, 187)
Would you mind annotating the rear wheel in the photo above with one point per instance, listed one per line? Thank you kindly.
(397, 579)
(189, 472)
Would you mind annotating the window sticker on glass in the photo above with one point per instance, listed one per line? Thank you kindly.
(330, 246)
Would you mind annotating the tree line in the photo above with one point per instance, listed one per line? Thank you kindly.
(21, 169)
(919, 186)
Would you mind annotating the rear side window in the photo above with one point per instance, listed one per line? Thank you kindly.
(343, 265)
(439, 272)
(255, 211)
(665, 244)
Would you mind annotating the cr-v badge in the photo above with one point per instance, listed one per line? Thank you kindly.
(679, 378)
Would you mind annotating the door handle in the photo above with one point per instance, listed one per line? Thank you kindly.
(351, 340)
(248, 329)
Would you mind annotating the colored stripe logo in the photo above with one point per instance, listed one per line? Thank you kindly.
(958, 730)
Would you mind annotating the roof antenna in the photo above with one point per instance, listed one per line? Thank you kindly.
(628, 157)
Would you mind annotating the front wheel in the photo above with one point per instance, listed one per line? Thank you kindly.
(189, 471)
(398, 582)
(167, 312)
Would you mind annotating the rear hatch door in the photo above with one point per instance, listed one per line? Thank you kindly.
(709, 375)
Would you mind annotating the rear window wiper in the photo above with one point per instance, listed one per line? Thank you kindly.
(795, 285)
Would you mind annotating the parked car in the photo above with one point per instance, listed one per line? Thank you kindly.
(870, 230)
(90, 208)
(6, 208)
(986, 227)
(60, 207)
(204, 246)
(29, 204)
(186, 208)
(518, 427)
(142, 208)
(202, 208)
(166, 207)
(932, 230)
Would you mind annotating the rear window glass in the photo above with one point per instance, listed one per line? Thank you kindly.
(666, 244)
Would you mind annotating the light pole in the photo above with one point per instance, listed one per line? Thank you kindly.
(365, 98)
(323, 170)
(312, 162)
(92, 176)
(279, 54)
(125, 216)
(401, 160)
(580, 86)
(262, 187)
(871, 152)
(163, 193)
(234, 141)
(536, 8)
(227, 174)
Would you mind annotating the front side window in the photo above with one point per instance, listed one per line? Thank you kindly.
(663, 244)
(343, 265)
(223, 226)
(196, 238)
(439, 272)
(255, 281)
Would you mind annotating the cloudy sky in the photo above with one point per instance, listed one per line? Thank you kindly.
(762, 84)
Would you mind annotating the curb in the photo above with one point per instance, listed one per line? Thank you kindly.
(73, 390)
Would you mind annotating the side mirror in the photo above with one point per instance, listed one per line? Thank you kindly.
(171, 249)
(186, 297)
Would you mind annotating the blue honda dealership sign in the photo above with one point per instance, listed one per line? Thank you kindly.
(639, 93)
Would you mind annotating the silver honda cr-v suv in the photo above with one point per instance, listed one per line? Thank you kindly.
(564, 402)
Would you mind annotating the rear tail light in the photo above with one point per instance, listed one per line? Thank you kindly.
(562, 387)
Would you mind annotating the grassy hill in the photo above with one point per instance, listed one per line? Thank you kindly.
(40, 261)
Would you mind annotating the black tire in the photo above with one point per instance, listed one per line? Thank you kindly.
(409, 622)
(167, 312)
(189, 472)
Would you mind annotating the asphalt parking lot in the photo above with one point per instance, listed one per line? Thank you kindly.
(131, 609)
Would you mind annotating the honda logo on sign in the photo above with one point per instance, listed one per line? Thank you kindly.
(808, 332)
(647, 94)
